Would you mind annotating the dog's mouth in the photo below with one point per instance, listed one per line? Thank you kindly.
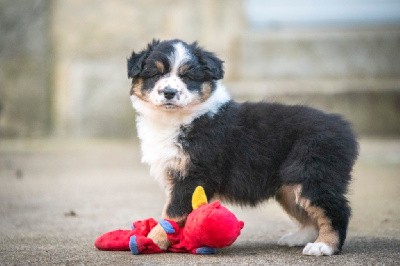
(170, 106)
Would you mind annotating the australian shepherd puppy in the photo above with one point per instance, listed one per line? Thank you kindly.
(192, 133)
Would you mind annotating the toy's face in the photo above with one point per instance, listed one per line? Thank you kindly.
(213, 225)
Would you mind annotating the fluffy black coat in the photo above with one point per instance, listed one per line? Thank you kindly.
(246, 152)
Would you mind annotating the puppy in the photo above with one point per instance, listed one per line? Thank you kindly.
(192, 133)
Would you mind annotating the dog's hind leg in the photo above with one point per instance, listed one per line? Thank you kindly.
(288, 197)
(331, 214)
(323, 218)
(320, 166)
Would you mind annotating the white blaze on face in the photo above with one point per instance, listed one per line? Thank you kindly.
(180, 56)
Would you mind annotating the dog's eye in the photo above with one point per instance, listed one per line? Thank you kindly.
(187, 75)
(193, 74)
(147, 73)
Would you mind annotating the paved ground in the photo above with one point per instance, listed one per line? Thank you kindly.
(57, 197)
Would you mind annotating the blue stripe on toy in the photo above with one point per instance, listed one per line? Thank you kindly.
(206, 251)
(133, 245)
(169, 229)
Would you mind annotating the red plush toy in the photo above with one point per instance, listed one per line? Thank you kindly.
(208, 227)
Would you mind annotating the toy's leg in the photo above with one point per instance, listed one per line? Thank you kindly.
(308, 232)
(143, 245)
(158, 234)
(159, 237)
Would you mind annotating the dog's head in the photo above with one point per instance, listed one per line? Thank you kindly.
(173, 75)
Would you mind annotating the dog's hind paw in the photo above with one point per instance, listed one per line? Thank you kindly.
(318, 249)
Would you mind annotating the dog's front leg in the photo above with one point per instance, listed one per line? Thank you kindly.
(177, 208)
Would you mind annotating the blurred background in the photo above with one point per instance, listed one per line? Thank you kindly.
(69, 159)
(63, 63)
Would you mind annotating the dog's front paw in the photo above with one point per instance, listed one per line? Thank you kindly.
(159, 237)
(299, 238)
(318, 249)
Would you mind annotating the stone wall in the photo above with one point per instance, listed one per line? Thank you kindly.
(63, 63)
(93, 38)
(25, 68)
(354, 72)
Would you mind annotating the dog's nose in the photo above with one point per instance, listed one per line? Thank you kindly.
(169, 93)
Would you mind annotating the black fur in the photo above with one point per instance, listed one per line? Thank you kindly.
(247, 151)
(212, 65)
(136, 61)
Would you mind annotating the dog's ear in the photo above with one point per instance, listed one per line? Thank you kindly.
(136, 60)
(135, 63)
(213, 66)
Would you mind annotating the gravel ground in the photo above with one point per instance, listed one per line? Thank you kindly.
(56, 197)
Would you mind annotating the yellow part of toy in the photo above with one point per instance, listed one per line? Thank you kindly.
(199, 197)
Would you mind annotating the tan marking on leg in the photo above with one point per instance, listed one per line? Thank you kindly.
(326, 233)
(307, 214)
(288, 197)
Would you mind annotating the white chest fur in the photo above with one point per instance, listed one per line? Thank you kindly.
(159, 146)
